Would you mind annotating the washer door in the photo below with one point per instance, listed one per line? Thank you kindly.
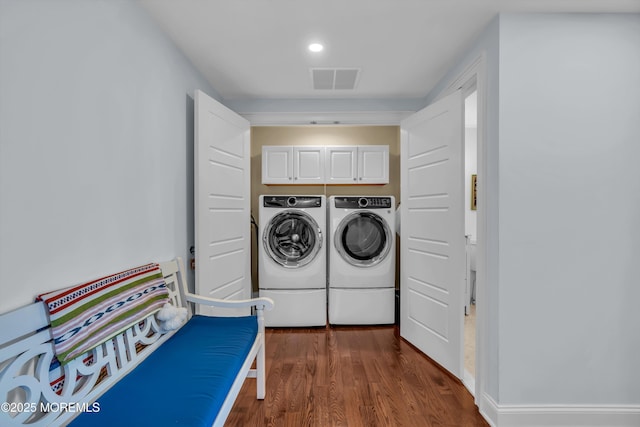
(363, 239)
(292, 239)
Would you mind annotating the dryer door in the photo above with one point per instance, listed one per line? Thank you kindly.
(363, 239)
(292, 239)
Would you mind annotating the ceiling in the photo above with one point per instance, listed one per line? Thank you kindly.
(257, 49)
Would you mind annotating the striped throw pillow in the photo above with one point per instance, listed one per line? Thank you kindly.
(84, 316)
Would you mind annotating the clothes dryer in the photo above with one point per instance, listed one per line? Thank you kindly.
(292, 262)
(362, 260)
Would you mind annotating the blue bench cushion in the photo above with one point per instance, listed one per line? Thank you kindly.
(183, 382)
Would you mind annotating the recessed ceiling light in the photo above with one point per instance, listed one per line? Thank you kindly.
(316, 47)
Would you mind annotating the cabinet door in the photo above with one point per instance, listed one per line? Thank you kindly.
(308, 165)
(342, 165)
(277, 165)
(373, 164)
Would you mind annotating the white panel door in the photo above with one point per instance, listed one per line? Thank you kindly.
(308, 165)
(432, 240)
(222, 202)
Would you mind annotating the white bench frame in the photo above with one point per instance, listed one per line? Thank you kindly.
(26, 353)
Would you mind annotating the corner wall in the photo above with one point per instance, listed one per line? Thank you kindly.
(569, 209)
(562, 218)
(96, 144)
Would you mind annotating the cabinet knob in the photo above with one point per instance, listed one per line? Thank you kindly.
(355, 179)
(290, 178)
(360, 178)
(295, 177)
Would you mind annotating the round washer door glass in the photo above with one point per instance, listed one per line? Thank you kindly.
(363, 239)
(292, 239)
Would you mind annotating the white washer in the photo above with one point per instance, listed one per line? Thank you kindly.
(362, 260)
(292, 259)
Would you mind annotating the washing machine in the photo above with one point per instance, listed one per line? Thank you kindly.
(362, 260)
(292, 263)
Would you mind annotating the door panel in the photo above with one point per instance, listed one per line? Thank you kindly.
(429, 312)
(309, 165)
(342, 164)
(432, 239)
(222, 168)
(373, 164)
(426, 180)
(277, 165)
(436, 234)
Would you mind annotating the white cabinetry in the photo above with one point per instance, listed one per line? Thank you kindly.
(373, 164)
(293, 165)
(342, 165)
(308, 165)
(277, 165)
(358, 164)
(346, 164)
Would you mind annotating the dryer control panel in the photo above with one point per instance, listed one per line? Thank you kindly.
(361, 202)
(292, 202)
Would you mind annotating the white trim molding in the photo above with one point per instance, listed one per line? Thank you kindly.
(380, 118)
(559, 415)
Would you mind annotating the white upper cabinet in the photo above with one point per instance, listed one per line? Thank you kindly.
(277, 165)
(373, 164)
(308, 165)
(352, 164)
(358, 164)
(342, 165)
(293, 165)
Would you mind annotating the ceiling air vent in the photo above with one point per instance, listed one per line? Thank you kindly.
(334, 78)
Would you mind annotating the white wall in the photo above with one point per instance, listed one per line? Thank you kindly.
(569, 209)
(96, 142)
(563, 213)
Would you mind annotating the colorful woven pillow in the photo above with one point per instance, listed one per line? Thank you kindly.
(84, 316)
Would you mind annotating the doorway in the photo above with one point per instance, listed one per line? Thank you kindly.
(473, 85)
(471, 234)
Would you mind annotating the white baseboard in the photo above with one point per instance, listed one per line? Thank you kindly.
(559, 415)
(469, 382)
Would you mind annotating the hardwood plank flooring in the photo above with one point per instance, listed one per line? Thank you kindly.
(352, 376)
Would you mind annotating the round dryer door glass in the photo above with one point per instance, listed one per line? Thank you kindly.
(363, 239)
(292, 239)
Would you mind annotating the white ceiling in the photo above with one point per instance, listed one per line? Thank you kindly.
(256, 49)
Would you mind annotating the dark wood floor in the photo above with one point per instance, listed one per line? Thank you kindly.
(352, 376)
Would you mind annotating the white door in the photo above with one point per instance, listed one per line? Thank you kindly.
(222, 204)
(432, 240)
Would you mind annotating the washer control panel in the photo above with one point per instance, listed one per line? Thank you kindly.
(362, 202)
(292, 202)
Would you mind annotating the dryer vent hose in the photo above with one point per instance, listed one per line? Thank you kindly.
(255, 225)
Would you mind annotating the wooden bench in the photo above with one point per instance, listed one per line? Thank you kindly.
(190, 376)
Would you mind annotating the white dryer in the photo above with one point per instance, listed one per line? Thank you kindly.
(292, 264)
(362, 260)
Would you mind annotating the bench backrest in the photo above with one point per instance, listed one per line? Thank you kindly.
(35, 390)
